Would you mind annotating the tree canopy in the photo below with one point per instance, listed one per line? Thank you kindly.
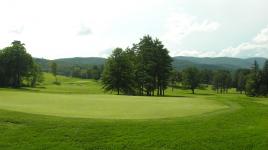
(16, 64)
(191, 78)
(143, 69)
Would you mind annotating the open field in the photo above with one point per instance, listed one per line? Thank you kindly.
(63, 119)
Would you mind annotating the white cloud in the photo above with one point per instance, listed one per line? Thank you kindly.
(70, 28)
(84, 31)
(16, 29)
(257, 47)
(262, 37)
(179, 25)
(195, 53)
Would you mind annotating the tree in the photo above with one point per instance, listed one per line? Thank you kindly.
(240, 79)
(153, 66)
(35, 76)
(54, 70)
(76, 72)
(222, 81)
(95, 72)
(16, 63)
(191, 78)
(206, 76)
(118, 73)
(264, 86)
(175, 77)
(149, 65)
(2, 71)
(254, 81)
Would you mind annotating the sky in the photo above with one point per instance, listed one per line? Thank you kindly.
(93, 28)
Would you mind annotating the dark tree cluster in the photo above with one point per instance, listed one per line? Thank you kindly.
(17, 67)
(191, 78)
(257, 80)
(143, 69)
(240, 79)
(87, 73)
(222, 81)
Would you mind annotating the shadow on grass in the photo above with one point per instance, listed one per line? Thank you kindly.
(35, 89)
(204, 94)
(179, 96)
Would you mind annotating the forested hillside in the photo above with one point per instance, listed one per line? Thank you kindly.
(66, 65)
(181, 62)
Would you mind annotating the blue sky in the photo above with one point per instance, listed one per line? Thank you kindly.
(85, 28)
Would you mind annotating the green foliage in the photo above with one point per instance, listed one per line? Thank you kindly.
(153, 66)
(206, 76)
(265, 78)
(254, 81)
(191, 78)
(175, 77)
(118, 73)
(142, 69)
(222, 81)
(66, 66)
(16, 64)
(240, 79)
(54, 71)
(35, 76)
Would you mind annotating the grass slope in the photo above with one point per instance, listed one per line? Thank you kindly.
(68, 85)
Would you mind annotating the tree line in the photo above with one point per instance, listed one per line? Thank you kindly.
(17, 67)
(143, 69)
(252, 82)
(87, 73)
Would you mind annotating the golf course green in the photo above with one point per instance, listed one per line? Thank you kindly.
(106, 106)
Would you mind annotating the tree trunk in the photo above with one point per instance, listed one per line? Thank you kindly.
(193, 91)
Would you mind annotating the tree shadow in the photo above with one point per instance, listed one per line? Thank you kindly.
(36, 89)
(179, 96)
(204, 94)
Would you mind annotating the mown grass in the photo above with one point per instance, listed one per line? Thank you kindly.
(106, 106)
(243, 126)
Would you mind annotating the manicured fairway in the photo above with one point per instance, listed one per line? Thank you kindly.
(106, 106)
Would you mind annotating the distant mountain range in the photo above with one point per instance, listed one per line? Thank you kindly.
(65, 65)
(179, 62)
